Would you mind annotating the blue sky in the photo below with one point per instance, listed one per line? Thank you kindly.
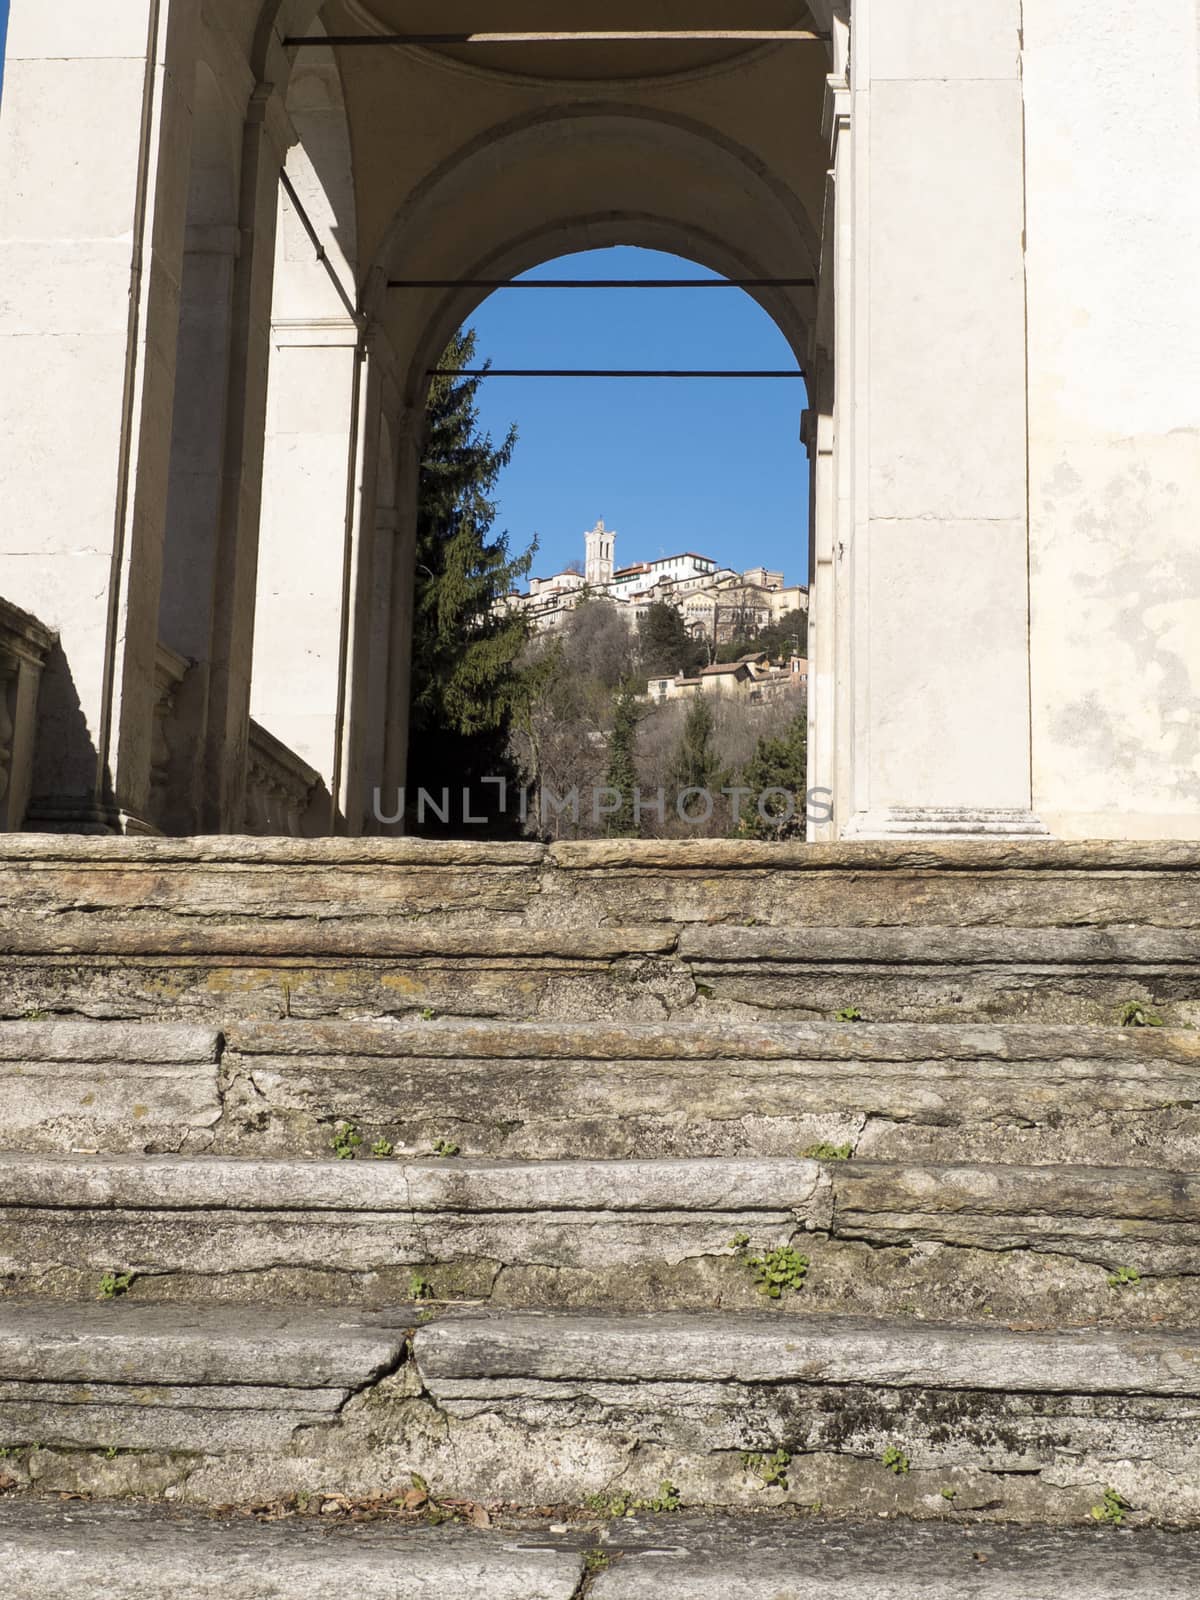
(715, 467)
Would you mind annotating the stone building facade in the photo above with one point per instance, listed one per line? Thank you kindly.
(976, 222)
(715, 602)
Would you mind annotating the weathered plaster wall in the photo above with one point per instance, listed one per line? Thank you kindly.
(1113, 125)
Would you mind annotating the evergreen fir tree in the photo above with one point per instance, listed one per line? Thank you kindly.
(665, 645)
(696, 764)
(467, 681)
(778, 764)
(622, 763)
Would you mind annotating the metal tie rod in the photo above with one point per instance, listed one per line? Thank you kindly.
(597, 372)
(608, 36)
(602, 283)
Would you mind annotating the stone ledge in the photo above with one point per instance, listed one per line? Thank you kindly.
(45, 1343)
(671, 856)
(732, 1559)
(485, 1355)
(56, 1552)
(65, 1552)
(409, 1188)
(714, 1039)
(76, 1042)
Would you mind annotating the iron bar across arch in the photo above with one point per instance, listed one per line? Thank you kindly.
(598, 372)
(573, 36)
(602, 283)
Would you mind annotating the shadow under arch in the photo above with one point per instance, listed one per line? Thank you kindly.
(576, 178)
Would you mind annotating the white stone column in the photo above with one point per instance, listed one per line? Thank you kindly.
(265, 141)
(314, 390)
(94, 140)
(408, 463)
(937, 564)
(1113, 123)
(312, 647)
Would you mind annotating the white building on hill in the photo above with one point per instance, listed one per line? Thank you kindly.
(715, 601)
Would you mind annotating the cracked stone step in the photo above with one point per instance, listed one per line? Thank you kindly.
(1040, 883)
(1111, 1215)
(78, 1552)
(1029, 1426)
(133, 965)
(130, 1376)
(65, 1083)
(130, 1553)
(715, 1087)
(624, 1235)
(471, 1355)
(975, 1092)
(924, 972)
(221, 1225)
(529, 1409)
(727, 1559)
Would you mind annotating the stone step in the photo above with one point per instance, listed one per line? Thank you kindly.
(766, 1559)
(1023, 1242)
(1034, 883)
(945, 973)
(1020, 1093)
(756, 1412)
(83, 1552)
(125, 1376)
(71, 1552)
(135, 965)
(627, 1233)
(866, 1415)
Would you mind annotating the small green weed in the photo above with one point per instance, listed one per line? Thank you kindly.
(895, 1460)
(1112, 1509)
(444, 1148)
(771, 1469)
(382, 1148)
(114, 1284)
(774, 1270)
(705, 991)
(828, 1152)
(36, 1015)
(419, 1287)
(428, 1014)
(849, 1014)
(346, 1141)
(595, 1560)
(1123, 1277)
(1135, 1014)
(668, 1498)
(949, 1494)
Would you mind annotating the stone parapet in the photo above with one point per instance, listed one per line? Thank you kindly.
(24, 645)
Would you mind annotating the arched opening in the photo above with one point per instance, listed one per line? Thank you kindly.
(693, 592)
(578, 179)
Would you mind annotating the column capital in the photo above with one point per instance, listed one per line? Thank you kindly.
(835, 117)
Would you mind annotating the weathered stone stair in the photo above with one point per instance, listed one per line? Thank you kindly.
(986, 1192)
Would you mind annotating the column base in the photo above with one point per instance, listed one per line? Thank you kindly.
(945, 822)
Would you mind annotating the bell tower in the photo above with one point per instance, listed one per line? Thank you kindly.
(601, 542)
